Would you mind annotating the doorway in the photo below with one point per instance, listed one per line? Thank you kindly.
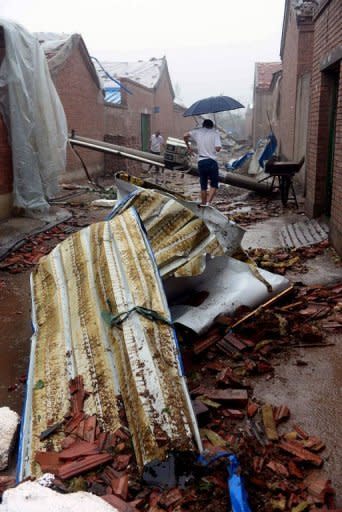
(145, 131)
(333, 78)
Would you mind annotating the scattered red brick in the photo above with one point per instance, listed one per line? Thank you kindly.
(252, 408)
(49, 461)
(235, 414)
(277, 468)
(281, 413)
(302, 434)
(78, 449)
(120, 486)
(301, 453)
(70, 469)
(319, 486)
(205, 342)
(237, 396)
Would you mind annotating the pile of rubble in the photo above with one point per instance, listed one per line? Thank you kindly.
(37, 246)
(280, 464)
(283, 259)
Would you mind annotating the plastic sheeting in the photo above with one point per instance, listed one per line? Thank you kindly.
(34, 117)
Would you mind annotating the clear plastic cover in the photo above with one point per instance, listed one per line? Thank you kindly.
(34, 117)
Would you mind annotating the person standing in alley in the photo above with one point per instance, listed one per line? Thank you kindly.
(208, 145)
(156, 145)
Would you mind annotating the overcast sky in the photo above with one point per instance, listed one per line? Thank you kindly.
(210, 45)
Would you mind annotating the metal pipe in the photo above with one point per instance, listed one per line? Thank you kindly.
(102, 149)
(236, 180)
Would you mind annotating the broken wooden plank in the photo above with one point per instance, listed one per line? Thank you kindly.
(237, 396)
(269, 423)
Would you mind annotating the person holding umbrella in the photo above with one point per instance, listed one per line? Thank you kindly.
(208, 145)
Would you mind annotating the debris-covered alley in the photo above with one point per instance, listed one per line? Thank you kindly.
(266, 390)
(170, 261)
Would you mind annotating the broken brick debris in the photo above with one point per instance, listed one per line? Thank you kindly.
(301, 453)
(277, 468)
(49, 461)
(302, 434)
(237, 396)
(36, 246)
(77, 467)
(78, 449)
(252, 408)
(205, 342)
(319, 487)
(281, 413)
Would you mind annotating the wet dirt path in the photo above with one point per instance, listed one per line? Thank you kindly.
(15, 328)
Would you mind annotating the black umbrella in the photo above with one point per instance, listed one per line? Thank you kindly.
(212, 105)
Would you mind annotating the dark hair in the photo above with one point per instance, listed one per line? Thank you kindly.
(207, 123)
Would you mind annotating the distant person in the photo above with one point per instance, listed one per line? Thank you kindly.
(156, 144)
(208, 144)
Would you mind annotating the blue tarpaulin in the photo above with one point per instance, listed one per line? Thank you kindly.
(237, 492)
(231, 166)
(269, 150)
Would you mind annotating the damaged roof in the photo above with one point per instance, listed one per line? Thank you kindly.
(264, 73)
(106, 269)
(146, 73)
(59, 47)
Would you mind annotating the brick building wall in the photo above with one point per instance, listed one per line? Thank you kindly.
(123, 122)
(288, 88)
(83, 104)
(326, 82)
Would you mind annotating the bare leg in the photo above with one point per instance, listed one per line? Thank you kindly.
(204, 196)
(211, 195)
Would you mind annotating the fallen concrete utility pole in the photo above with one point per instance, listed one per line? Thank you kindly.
(236, 180)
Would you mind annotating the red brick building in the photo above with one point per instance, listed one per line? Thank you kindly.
(296, 55)
(324, 148)
(79, 89)
(263, 98)
(145, 103)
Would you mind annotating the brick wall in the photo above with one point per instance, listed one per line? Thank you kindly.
(84, 108)
(263, 103)
(327, 37)
(288, 88)
(123, 122)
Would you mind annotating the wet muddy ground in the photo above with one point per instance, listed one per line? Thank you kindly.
(312, 392)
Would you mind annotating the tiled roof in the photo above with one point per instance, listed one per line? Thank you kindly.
(146, 73)
(264, 73)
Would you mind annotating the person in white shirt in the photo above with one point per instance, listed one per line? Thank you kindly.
(156, 144)
(208, 145)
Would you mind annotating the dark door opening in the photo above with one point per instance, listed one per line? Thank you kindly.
(145, 131)
(334, 84)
